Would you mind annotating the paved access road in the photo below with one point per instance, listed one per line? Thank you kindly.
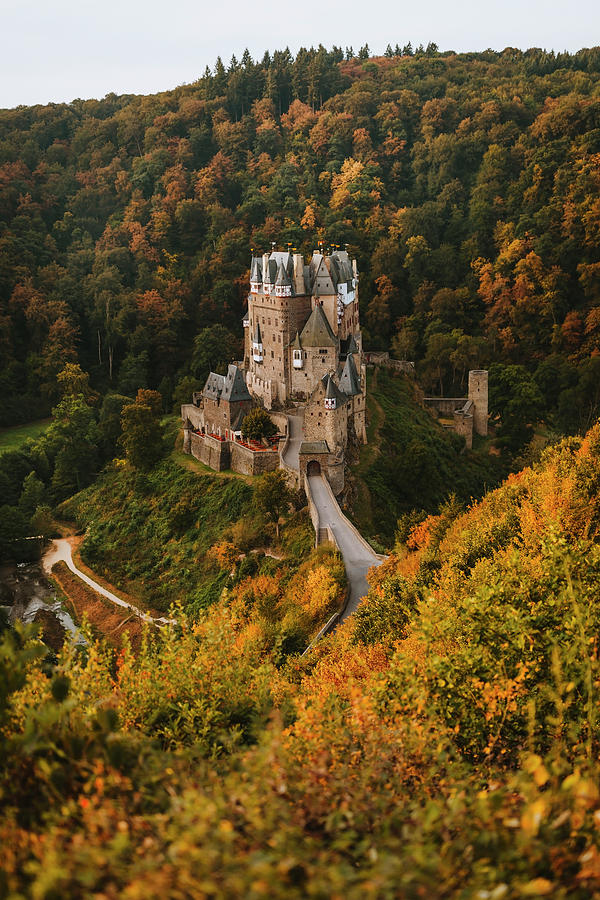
(291, 457)
(60, 551)
(358, 557)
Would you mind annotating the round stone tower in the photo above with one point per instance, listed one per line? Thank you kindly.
(478, 393)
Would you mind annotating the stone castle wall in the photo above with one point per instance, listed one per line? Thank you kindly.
(444, 406)
(193, 413)
(210, 451)
(221, 455)
(253, 462)
(314, 366)
(478, 393)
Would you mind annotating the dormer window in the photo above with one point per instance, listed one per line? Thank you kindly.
(254, 287)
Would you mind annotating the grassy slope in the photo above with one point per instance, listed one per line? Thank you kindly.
(150, 533)
(12, 438)
(410, 462)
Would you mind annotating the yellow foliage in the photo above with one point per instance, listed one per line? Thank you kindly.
(320, 594)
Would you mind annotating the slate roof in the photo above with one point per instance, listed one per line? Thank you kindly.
(313, 447)
(341, 267)
(234, 386)
(283, 258)
(214, 386)
(317, 331)
(256, 269)
(349, 380)
(332, 392)
(296, 345)
(348, 345)
(322, 284)
(270, 273)
(230, 387)
(257, 339)
(282, 276)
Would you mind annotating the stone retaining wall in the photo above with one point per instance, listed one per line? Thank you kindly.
(210, 451)
(253, 462)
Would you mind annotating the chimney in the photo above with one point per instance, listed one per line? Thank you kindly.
(299, 274)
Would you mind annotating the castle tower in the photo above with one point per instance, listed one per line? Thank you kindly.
(478, 393)
(283, 361)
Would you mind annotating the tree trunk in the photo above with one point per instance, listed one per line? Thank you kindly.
(99, 349)
(110, 361)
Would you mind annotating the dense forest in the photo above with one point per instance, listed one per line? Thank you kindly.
(466, 185)
(442, 742)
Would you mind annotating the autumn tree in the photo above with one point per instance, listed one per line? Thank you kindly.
(141, 435)
(258, 424)
(273, 496)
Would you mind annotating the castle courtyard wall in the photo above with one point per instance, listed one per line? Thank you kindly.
(194, 414)
(210, 451)
(253, 462)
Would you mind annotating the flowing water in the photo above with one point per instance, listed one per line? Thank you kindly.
(27, 596)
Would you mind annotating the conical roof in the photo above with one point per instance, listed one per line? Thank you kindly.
(332, 392)
(349, 380)
(256, 269)
(257, 339)
(317, 331)
(282, 276)
(296, 345)
(270, 273)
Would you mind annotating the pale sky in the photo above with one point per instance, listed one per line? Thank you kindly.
(57, 50)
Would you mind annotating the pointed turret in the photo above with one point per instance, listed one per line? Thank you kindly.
(349, 380)
(333, 396)
(283, 284)
(255, 274)
(269, 275)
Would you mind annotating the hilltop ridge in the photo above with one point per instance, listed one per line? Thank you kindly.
(465, 184)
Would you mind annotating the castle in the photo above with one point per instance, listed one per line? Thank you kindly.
(303, 361)
(302, 354)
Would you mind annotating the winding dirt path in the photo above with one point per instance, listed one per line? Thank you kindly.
(60, 550)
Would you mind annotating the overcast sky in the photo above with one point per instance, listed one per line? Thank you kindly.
(57, 50)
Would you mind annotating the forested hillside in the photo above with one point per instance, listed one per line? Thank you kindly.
(443, 743)
(467, 186)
